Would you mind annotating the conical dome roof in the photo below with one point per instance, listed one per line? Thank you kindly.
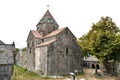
(47, 18)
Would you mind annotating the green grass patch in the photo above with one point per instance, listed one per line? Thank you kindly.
(24, 71)
(20, 73)
(1, 51)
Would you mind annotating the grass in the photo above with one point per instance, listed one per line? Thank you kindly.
(24, 71)
(23, 74)
(20, 73)
(1, 51)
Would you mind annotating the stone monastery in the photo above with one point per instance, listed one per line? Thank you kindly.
(52, 51)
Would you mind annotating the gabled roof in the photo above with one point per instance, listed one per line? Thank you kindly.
(54, 32)
(36, 34)
(91, 58)
(47, 18)
(1, 42)
(46, 43)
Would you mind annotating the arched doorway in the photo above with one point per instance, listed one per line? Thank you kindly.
(93, 66)
(97, 66)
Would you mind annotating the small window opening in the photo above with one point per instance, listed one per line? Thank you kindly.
(42, 40)
(30, 50)
(66, 50)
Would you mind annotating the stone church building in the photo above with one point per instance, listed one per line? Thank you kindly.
(52, 51)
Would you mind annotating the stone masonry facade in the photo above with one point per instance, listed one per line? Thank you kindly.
(7, 52)
(52, 51)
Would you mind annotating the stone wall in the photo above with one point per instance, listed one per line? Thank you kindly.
(31, 52)
(41, 60)
(59, 57)
(64, 55)
(21, 58)
(7, 52)
(6, 71)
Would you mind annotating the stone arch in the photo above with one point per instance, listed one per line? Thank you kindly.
(93, 66)
(97, 66)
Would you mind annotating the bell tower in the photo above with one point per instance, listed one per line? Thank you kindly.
(47, 24)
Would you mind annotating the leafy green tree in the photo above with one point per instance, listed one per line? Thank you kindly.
(103, 41)
(83, 42)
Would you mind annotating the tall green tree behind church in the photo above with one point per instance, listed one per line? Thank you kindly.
(103, 42)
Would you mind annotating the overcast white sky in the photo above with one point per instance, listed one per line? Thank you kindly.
(18, 17)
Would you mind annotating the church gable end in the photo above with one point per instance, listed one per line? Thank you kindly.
(69, 52)
(33, 34)
(30, 36)
(66, 34)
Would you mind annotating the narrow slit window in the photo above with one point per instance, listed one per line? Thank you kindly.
(67, 50)
(30, 50)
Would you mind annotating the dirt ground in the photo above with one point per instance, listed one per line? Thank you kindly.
(89, 75)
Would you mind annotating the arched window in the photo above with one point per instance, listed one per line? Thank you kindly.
(67, 51)
(30, 50)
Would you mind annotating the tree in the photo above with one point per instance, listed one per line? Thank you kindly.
(103, 41)
(83, 42)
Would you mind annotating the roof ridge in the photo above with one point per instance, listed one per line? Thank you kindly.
(36, 34)
(46, 43)
(55, 32)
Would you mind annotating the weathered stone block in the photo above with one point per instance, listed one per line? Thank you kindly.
(6, 61)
